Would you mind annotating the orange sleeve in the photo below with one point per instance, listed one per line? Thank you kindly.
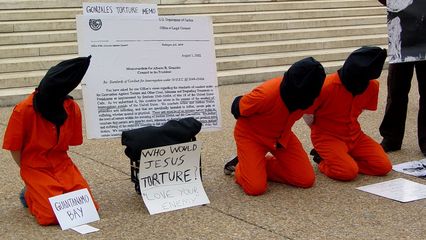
(252, 102)
(77, 131)
(372, 96)
(14, 134)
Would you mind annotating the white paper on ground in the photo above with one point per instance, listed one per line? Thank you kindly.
(399, 189)
(84, 229)
(413, 168)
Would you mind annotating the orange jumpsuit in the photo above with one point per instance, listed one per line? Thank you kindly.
(46, 168)
(264, 126)
(337, 136)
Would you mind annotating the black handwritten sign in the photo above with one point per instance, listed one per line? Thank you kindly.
(169, 177)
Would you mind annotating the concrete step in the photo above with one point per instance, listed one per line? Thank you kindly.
(221, 38)
(43, 56)
(279, 59)
(41, 49)
(255, 39)
(38, 37)
(265, 6)
(290, 34)
(39, 14)
(21, 79)
(179, 6)
(70, 13)
(31, 4)
(235, 27)
(69, 24)
(9, 65)
(38, 25)
(34, 4)
(267, 51)
(237, 49)
(293, 14)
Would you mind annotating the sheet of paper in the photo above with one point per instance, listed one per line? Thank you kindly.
(413, 168)
(85, 229)
(399, 189)
(145, 72)
(74, 208)
(170, 178)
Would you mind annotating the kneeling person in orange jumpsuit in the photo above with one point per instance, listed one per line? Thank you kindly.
(39, 132)
(267, 149)
(341, 148)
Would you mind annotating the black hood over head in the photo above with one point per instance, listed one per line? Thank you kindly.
(55, 86)
(362, 65)
(302, 84)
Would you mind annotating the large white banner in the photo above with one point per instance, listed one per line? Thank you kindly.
(147, 71)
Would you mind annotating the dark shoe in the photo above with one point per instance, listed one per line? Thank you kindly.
(388, 146)
(230, 166)
(22, 198)
(317, 158)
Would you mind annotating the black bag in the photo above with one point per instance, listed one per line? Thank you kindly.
(172, 132)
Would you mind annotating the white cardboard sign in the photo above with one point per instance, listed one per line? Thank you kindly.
(120, 9)
(145, 72)
(74, 208)
(169, 177)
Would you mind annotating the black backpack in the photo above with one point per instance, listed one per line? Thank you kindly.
(172, 132)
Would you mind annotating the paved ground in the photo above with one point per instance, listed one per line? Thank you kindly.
(329, 210)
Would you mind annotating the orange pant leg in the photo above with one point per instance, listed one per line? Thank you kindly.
(71, 179)
(43, 184)
(337, 163)
(370, 157)
(291, 165)
(39, 187)
(250, 172)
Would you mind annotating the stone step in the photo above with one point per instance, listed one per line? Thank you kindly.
(176, 6)
(223, 53)
(265, 6)
(293, 14)
(260, 74)
(237, 49)
(39, 14)
(34, 4)
(221, 38)
(38, 25)
(41, 49)
(9, 65)
(43, 56)
(37, 4)
(290, 34)
(70, 24)
(21, 79)
(279, 59)
(228, 16)
(67, 47)
(38, 37)
(235, 27)
(11, 96)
